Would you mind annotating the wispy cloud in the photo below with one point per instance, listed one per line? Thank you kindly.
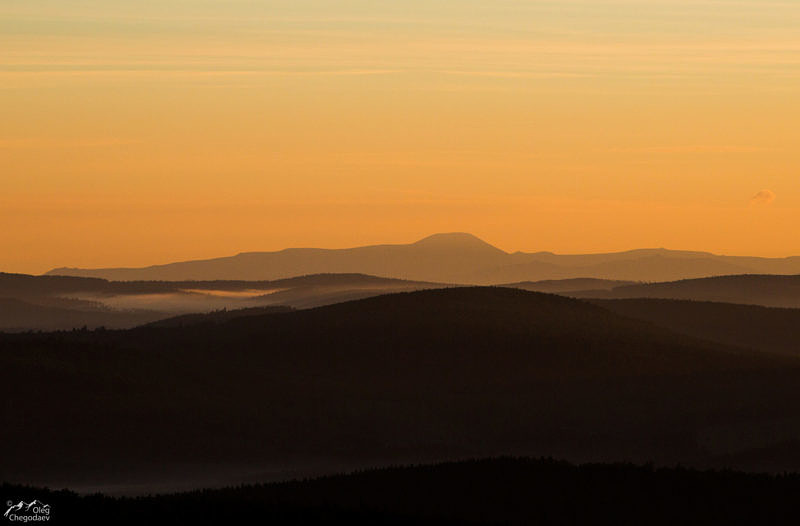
(764, 197)
(31, 143)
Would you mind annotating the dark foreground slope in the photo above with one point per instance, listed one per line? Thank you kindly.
(494, 491)
(767, 329)
(422, 376)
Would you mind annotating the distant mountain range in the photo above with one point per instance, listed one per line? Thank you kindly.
(452, 258)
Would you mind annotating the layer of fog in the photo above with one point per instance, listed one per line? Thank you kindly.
(186, 301)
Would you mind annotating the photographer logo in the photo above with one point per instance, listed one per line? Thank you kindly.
(34, 511)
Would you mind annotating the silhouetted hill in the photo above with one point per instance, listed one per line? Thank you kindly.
(410, 377)
(763, 328)
(635, 265)
(514, 491)
(770, 291)
(18, 315)
(452, 258)
(436, 258)
(92, 302)
(459, 241)
(25, 285)
(216, 317)
(560, 286)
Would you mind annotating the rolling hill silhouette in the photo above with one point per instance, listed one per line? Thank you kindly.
(562, 286)
(770, 291)
(510, 491)
(62, 302)
(410, 377)
(767, 329)
(216, 317)
(451, 258)
(29, 286)
(20, 315)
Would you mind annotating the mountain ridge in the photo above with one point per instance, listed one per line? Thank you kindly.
(455, 257)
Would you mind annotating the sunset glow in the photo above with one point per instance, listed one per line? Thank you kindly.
(135, 133)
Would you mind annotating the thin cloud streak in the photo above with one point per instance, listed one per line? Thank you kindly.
(691, 149)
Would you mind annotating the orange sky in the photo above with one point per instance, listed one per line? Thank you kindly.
(147, 132)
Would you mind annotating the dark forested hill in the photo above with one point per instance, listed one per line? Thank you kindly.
(65, 302)
(430, 375)
(512, 491)
(19, 315)
(564, 286)
(217, 317)
(770, 291)
(765, 328)
(27, 286)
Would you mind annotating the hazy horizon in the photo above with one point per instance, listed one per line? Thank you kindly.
(151, 132)
(125, 264)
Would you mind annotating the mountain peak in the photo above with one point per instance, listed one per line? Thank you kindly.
(456, 240)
